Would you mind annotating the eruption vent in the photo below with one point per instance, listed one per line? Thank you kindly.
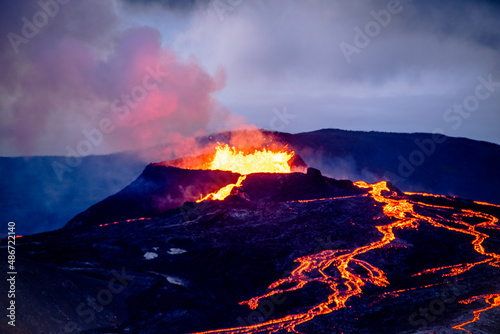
(259, 161)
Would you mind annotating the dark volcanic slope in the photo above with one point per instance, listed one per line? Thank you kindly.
(156, 190)
(188, 269)
(160, 188)
(296, 186)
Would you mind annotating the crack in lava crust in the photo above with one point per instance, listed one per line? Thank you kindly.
(401, 210)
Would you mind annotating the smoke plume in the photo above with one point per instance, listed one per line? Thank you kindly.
(79, 79)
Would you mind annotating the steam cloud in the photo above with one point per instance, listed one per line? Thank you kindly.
(79, 66)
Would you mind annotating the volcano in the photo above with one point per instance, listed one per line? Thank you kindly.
(253, 241)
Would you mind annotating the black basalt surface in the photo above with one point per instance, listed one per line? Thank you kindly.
(156, 190)
(187, 269)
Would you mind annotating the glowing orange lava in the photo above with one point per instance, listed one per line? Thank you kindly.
(350, 283)
(487, 204)
(125, 221)
(260, 161)
(493, 300)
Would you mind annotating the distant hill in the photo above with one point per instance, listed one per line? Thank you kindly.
(414, 162)
(34, 197)
(457, 167)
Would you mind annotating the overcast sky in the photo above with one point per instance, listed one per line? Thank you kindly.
(124, 74)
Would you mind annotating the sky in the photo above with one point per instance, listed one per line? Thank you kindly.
(101, 76)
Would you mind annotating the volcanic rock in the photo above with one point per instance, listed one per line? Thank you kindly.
(156, 190)
(232, 250)
(211, 257)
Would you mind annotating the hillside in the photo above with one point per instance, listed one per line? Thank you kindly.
(33, 195)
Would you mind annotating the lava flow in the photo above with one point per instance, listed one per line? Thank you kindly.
(349, 283)
(260, 161)
(493, 300)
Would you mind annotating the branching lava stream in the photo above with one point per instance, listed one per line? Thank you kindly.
(349, 283)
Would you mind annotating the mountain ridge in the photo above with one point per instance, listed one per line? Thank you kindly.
(459, 167)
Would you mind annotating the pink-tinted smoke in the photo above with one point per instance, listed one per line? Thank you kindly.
(75, 72)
